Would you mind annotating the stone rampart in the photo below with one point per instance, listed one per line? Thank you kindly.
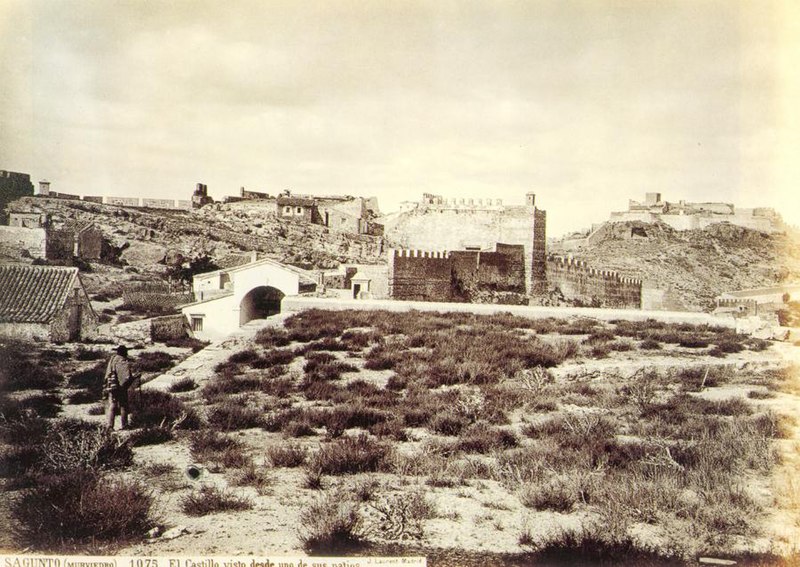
(577, 281)
(420, 275)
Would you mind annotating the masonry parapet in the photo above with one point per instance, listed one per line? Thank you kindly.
(417, 253)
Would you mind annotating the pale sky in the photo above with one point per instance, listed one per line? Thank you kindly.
(586, 103)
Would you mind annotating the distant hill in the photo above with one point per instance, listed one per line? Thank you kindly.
(695, 265)
(150, 236)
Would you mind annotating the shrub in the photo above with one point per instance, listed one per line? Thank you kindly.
(17, 372)
(221, 386)
(246, 356)
(73, 444)
(351, 455)
(82, 507)
(331, 525)
(210, 499)
(693, 342)
(448, 423)
(255, 477)
(233, 414)
(325, 366)
(275, 357)
(730, 346)
(155, 408)
(82, 397)
(557, 493)
(43, 405)
(188, 342)
(289, 455)
(183, 385)
(400, 516)
(88, 354)
(328, 343)
(22, 429)
(650, 344)
(150, 436)
(272, 337)
(216, 448)
(480, 438)
(156, 361)
(90, 379)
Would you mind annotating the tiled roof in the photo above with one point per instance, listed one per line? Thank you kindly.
(75, 226)
(34, 294)
(296, 201)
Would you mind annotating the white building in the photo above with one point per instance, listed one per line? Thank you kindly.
(227, 299)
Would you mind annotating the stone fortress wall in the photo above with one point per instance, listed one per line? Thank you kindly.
(473, 224)
(606, 288)
(424, 275)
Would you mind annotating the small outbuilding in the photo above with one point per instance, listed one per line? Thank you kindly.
(46, 303)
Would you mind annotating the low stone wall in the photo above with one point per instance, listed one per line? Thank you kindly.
(294, 304)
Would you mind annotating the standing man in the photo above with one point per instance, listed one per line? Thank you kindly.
(118, 379)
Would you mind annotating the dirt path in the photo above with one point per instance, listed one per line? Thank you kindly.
(200, 366)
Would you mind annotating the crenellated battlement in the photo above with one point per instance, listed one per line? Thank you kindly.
(578, 281)
(418, 253)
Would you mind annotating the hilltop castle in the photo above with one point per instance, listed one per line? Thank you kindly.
(688, 216)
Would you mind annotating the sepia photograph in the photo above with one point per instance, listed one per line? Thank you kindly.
(340, 283)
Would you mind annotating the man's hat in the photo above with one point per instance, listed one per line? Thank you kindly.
(122, 350)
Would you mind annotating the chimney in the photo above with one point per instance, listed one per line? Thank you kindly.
(530, 199)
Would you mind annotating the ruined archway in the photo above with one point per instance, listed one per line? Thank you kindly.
(259, 303)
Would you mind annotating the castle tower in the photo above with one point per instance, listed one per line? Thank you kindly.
(44, 188)
(530, 199)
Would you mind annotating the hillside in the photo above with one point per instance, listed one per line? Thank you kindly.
(150, 237)
(695, 265)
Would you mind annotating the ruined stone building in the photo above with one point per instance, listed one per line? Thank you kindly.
(342, 214)
(75, 239)
(44, 303)
(683, 215)
(13, 185)
(436, 223)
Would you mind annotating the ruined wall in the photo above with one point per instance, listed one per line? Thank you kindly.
(420, 275)
(13, 185)
(89, 244)
(18, 241)
(169, 327)
(121, 201)
(501, 270)
(60, 244)
(66, 196)
(158, 203)
(606, 288)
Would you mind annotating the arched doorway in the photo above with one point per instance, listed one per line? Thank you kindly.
(259, 303)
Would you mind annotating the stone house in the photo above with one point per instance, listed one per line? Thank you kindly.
(298, 208)
(47, 303)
